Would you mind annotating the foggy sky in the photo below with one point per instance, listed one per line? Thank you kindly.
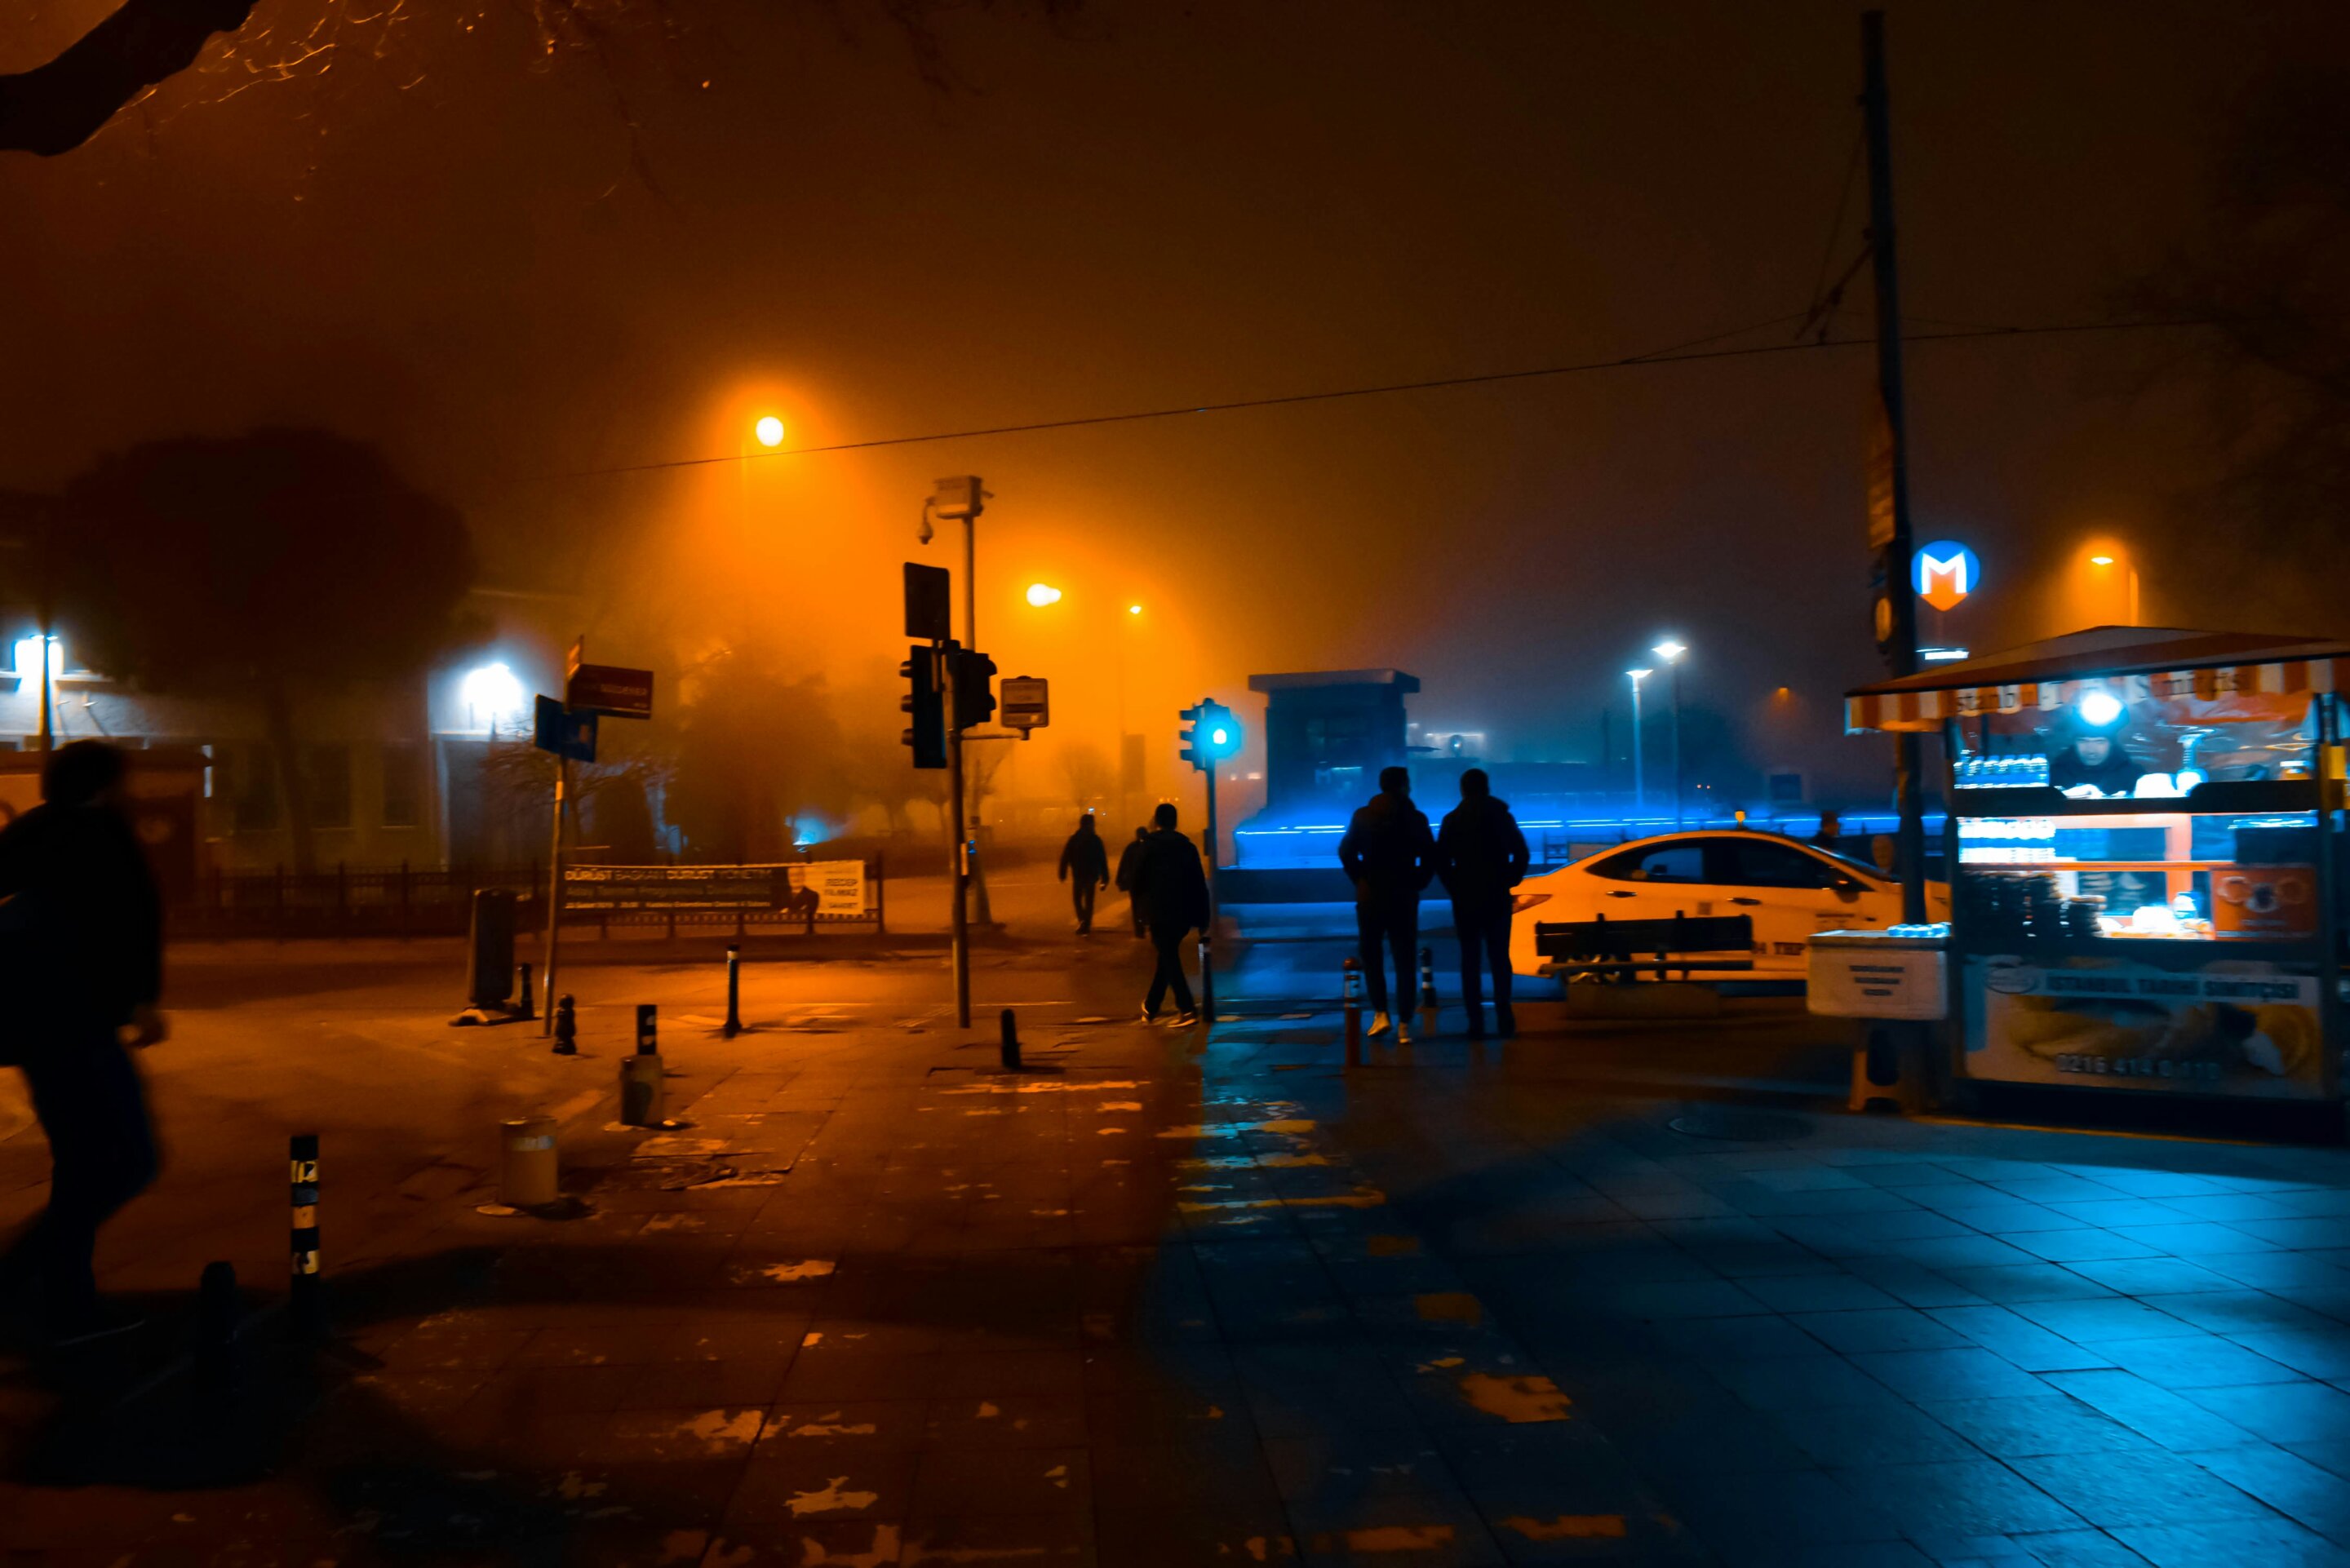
(1150, 204)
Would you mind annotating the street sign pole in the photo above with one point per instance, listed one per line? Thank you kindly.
(555, 894)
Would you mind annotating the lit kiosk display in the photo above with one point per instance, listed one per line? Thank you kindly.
(2143, 838)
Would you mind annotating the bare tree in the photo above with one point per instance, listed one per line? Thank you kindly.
(2264, 271)
(1085, 773)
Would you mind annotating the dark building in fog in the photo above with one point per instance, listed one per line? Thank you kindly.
(1328, 732)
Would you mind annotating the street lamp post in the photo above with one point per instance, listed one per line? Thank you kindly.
(1670, 652)
(1639, 790)
(960, 497)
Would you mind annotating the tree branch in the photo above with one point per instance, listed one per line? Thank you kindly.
(56, 107)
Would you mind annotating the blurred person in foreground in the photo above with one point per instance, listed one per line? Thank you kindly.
(1084, 866)
(1128, 859)
(1390, 857)
(1481, 855)
(1170, 888)
(82, 925)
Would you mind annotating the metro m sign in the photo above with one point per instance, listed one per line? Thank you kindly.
(1944, 573)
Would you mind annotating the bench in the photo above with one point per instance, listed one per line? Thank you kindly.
(1604, 949)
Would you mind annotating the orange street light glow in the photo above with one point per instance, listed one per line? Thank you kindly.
(770, 430)
(2100, 560)
(1041, 594)
(1134, 609)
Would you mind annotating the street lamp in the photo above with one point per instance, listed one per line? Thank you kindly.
(769, 431)
(1670, 652)
(1640, 793)
(1042, 594)
(2117, 577)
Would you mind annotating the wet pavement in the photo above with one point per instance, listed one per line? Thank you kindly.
(1178, 1299)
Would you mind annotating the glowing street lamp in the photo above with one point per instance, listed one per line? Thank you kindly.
(1042, 594)
(2112, 580)
(769, 431)
(492, 692)
(1134, 609)
(1640, 793)
(1671, 651)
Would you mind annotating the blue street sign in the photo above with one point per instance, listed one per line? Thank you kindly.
(566, 733)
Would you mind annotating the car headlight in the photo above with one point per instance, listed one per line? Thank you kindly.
(1520, 902)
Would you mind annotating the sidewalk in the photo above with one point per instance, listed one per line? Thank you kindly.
(872, 1301)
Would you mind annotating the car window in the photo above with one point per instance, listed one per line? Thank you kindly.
(1759, 863)
(1679, 862)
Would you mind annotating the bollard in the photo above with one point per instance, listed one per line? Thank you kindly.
(305, 1314)
(527, 1169)
(217, 1309)
(1207, 983)
(1352, 985)
(1427, 992)
(1011, 1042)
(733, 990)
(1875, 1073)
(640, 1075)
(566, 1027)
(525, 1006)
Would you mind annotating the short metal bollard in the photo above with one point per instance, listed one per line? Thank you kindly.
(733, 990)
(641, 1074)
(1011, 1027)
(1351, 973)
(527, 1167)
(526, 1005)
(305, 1312)
(217, 1311)
(566, 1026)
(1427, 992)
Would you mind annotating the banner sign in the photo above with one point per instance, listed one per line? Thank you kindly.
(2236, 1027)
(609, 688)
(799, 888)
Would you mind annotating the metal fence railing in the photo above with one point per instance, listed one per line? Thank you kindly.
(418, 901)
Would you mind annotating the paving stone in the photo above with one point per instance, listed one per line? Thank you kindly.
(2112, 1490)
(1928, 1374)
(2039, 1424)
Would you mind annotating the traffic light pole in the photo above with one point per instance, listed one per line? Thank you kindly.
(959, 923)
(1208, 937)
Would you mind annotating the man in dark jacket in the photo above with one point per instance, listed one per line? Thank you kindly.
(84, 918)
(1084, 866)
(1170, 887)
(1482, 855)
(1389, 855)
(1128, 859)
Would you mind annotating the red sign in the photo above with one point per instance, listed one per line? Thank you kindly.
(608, 688)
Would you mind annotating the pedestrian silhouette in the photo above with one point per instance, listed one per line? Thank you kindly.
(1128, 859)
(1389, 855)
(1084, 866)
(84, 930)
(1482, 856)
(1170, 887)
(1830, 832)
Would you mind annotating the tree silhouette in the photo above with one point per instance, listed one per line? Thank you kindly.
(273, 567)
(55, 107)
(754, 752)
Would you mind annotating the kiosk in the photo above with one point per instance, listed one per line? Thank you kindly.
(2144, 835)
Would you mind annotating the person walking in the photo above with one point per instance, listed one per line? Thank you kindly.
(1482, 855)
(1830, 832)
(1084, 866)
(1128, 859)
(1389, 855)
(83, 925)
(1170, 887)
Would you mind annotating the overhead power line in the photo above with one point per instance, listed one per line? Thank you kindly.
(1677, 355)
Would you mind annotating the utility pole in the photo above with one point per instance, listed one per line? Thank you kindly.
(1208, 937)
(958, 922)
(554, 893)
(1889, 534)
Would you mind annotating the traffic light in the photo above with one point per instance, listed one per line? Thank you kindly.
(925, 705)
(1213, 735)
(974, 690)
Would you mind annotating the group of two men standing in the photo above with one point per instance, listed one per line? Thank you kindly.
(1391, 856)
